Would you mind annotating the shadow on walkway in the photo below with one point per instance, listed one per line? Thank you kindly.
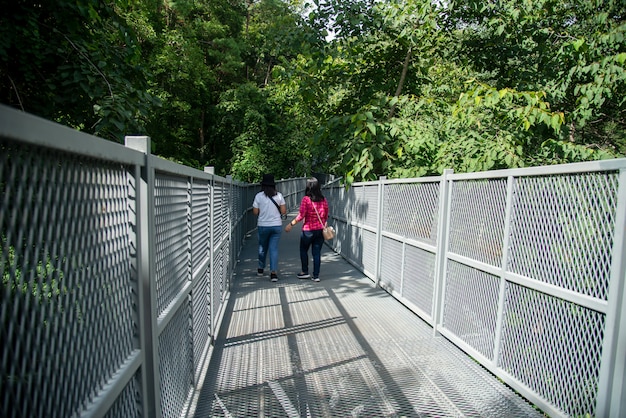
(337, 348)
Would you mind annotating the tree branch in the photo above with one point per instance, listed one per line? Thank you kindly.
(17, 93)
(91, 63)
(405, 69)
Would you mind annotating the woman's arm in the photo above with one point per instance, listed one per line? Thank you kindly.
(298, 217)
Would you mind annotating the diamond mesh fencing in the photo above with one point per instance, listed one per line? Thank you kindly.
(470, 306)
(68, 291)
(419, 280)
(171, 208)
(201, 324)
(562, 231)
(176, 363)
(554, 347)
(477, 219)
(126, 403)
(354, 214)
(517, 271)
(200, 220)
(411, 210)
(392, 269)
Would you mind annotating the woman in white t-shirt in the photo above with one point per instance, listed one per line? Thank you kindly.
(269, 205)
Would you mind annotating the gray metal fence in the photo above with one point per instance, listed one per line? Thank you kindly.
(523, 269)
(116, 266)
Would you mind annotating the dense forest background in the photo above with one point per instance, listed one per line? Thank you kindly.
(356, 88)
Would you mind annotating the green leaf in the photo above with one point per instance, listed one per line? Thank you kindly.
(578, 44)
(372, 128)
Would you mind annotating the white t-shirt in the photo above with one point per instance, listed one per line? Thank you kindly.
(269, 215)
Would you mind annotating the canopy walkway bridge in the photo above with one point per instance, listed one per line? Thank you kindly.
(338, 348)
(130, 290)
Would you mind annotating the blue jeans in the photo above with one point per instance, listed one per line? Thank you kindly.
(269, 236)
(315, 240)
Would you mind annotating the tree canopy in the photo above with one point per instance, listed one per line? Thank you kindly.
(356, 88)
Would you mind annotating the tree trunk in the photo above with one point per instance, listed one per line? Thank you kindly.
(405, 69)
(201, 136)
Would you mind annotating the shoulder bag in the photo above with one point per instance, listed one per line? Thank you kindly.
(328, 232)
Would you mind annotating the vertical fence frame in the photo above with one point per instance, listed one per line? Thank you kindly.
(145, 270)
(611, 401)
(379, 229)
(442, 245)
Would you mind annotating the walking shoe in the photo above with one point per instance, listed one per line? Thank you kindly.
(259, 272)
(303, 275)
(274, 277)
(316, 279)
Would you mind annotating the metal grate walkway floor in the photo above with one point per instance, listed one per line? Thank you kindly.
(337, 348)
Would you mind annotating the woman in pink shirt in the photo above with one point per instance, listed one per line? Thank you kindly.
(314, 214)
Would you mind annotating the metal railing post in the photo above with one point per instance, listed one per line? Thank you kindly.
(611, 400)
(379, 229)
(442, 245)
(148, 329)
(510, 194)
(211, 278)
(231, 247)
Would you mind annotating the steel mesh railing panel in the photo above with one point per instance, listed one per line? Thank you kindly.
(126, 404)
(562, 230)
(554, 347)
(338, 205)
(471, 306)
(68, 291)
(351, 206)
(391, 265)
(359, 246)
(411, 210)
(219, 266)
(419, 278)
(369, 250)
(201, 324)
(220, 211)
(237, 203)
(176, 363)
(477, 219)
(292, 190)
(199, 223)
(363, 202)
(171, 207)
(348, 249)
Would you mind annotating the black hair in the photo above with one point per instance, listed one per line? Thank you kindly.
(313, 190)
(269, 190)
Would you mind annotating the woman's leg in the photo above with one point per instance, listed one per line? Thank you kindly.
(274, 239)
(305, 242)
(317, 242)
(264, 236)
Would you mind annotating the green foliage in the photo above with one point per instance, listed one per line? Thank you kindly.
(572, 51)
(403, 88)
(42, 283)
(265, 136)
(483, 86)
(73, 62)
